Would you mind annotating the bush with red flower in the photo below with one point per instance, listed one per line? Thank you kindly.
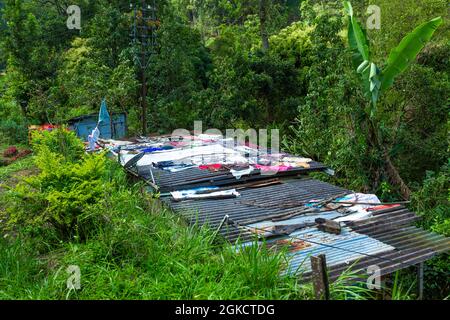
(10, 152)
(13, 154)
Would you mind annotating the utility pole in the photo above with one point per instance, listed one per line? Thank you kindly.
(144, 35)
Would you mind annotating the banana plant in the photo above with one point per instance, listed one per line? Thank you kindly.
(374, 80)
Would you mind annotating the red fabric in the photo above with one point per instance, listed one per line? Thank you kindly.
(382, 207)
(212, 167)
(47, 127)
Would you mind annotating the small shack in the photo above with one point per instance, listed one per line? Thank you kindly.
(84, 125)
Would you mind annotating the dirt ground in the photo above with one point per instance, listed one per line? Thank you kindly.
(18, 176)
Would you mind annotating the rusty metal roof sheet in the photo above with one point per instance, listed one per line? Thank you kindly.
(195, 177)
(387, 239)
(211, 212)
(339, 249)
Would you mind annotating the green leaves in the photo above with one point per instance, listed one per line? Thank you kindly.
(357, 38)
(375, 81)
(66, 190)
(401, 56)
(371, 82)
(348, 7)
(361, 57)
(363, 66)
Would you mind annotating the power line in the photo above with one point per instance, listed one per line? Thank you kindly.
(144, 33)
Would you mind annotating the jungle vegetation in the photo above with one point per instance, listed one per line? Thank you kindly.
(372, 103)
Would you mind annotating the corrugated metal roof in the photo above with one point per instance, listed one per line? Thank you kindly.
(393, 227)
(387, 239)
(339, 249)
(195, 177)
(211, 212)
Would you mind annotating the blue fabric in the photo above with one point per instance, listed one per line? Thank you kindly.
(150, 150)
(103, 116)
(167, 165)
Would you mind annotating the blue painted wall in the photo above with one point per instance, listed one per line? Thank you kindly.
(83, 127)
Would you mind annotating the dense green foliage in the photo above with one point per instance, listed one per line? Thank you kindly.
(62, 198)
(286, 64)
(55, 73)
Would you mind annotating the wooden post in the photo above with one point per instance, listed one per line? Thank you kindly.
(144, 100)
(386, 283)
(320, 277)
(111, 126)
(420, 281)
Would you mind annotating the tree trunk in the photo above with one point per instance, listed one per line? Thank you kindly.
(394, 177)
(262, 23)
(389, 168)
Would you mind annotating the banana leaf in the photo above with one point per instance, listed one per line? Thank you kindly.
(406, 52)
(374, 85)
(357, 38)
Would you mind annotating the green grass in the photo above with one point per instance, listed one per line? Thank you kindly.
(143, 252)
(6, 172)
(9, 176)
(146, 252)
(22, 164)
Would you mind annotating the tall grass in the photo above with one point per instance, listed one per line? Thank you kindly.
(401, 290)
(142, 252)
(7, 171)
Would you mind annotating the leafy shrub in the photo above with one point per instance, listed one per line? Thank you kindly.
(60, 141)
(61, 196)
(432, 201)
(60, 201)
(293, 42)
(436, 56)
(12, 131)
